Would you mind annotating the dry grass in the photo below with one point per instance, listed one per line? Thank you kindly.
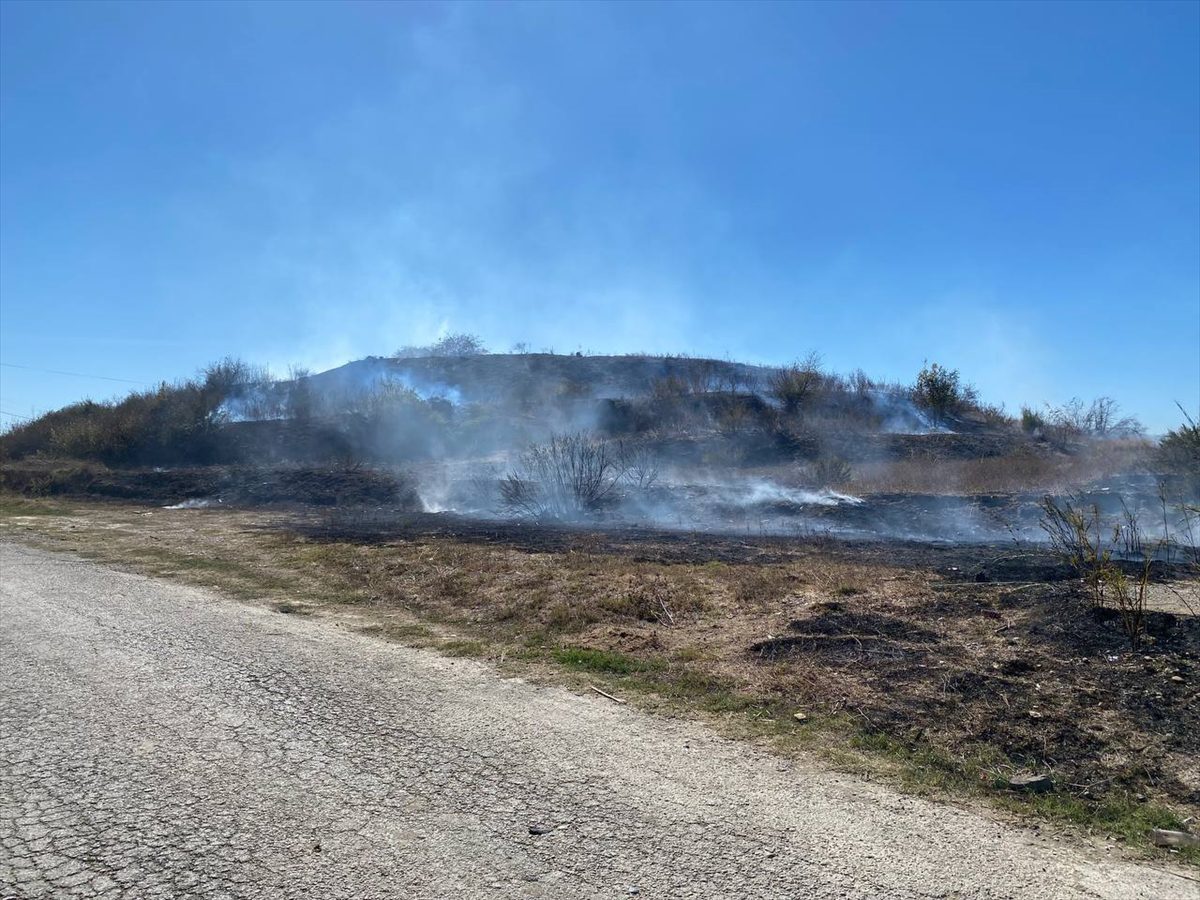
(1021, 472)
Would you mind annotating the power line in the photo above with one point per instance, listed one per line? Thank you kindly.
(74, 374)
(4, 412)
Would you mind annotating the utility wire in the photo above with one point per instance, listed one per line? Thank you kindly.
(4, 412)
(74, 374)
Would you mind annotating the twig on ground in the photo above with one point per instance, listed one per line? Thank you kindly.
(605, 694)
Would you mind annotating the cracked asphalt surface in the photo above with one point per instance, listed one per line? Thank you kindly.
(163, 741)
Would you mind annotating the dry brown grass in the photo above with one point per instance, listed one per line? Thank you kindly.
(1032, 472)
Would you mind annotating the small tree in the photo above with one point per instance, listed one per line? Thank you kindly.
(795, 386)
(940, 391)
(299, 402)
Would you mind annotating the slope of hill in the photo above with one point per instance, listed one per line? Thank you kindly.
(654, 439)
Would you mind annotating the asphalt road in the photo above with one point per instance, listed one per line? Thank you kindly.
(163, 741)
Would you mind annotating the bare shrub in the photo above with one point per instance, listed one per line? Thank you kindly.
(639, 464)
(569, 477)
(1077, 534)
(1129, 596)
(733, 416)
(860, 384)
(796, 385)
(1100, 418)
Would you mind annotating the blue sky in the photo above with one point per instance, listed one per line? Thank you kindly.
(1010, 189)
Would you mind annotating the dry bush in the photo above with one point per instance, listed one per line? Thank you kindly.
(1081, 538)
(1100, 418)
(299, 403)
(733, 419)
(639, 464)
(797, 385)
(569, 477)
(1075, 535)
(654, 598)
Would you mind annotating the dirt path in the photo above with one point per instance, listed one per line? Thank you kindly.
(161, 741)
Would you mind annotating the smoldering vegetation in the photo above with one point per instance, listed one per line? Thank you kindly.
(635, 440)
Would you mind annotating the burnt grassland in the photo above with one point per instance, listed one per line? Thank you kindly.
(885, 659)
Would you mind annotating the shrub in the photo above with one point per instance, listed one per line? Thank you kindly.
(1179, 450)
(940, 391)
(796, 385)
(450, 345)
(1032, 422)
(1100, 418)
(1077, 535)
(829, 471)
(569, 477)
(299, 403)
(669, 388)
(638, 463)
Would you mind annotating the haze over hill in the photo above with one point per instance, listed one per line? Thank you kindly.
(665, 441)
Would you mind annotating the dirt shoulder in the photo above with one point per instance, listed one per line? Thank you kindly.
(896, 666)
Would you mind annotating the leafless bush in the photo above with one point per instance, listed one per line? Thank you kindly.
(794, 386)
(639, 464)
(1078, 536)
(569, 477)
(1100, 418)
(1075, 535)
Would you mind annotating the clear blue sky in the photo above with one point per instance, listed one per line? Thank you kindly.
(1010, 189)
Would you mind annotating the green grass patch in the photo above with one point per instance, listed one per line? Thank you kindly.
(463, 648)
(925, 769)
(12, 505)
(607, 662)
